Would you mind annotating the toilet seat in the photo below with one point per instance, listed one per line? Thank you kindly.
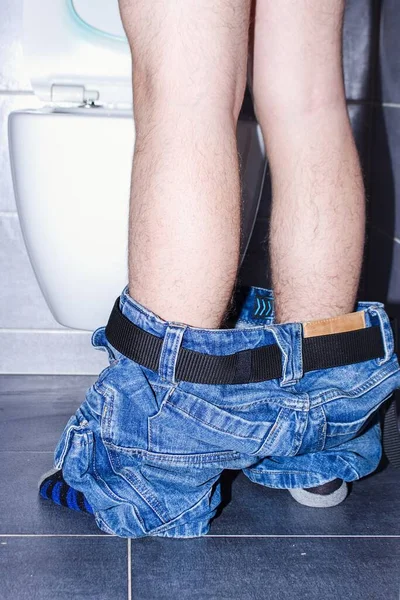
(84, 56)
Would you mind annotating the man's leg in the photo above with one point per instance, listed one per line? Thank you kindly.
(189, 71)
(317, 222)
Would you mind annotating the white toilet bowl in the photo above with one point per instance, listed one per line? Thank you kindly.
(71, 160)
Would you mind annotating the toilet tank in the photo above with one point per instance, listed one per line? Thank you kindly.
(71, 175)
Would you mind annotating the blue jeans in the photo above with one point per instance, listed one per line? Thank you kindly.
(147, 451)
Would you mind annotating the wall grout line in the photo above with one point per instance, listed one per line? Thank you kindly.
(59, 331)
(385, 234)
(17, 93)
(129, 569)
(50, 374)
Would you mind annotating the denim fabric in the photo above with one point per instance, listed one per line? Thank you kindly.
(147, 451)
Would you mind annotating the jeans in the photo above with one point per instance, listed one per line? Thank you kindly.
(147, 451)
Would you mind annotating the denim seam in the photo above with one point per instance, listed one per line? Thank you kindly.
(170, 525)
(272, 435)
(242, 437)
(176, 343)
(178, 458)
(357, 392)
(158, 413)
(67, 443)
(249, 322)
(162, 323)
(357, 424)
(98, 479)
(272, 471)
(126, 300)
(282, 403)
(148, 500)
(323, 431)
(299, 435)
(108, 409)
(349, 466)
(104, 524)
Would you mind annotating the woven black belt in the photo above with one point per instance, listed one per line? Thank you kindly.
(246, 366)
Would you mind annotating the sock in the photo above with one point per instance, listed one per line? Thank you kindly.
(326, 488)
(55, 488)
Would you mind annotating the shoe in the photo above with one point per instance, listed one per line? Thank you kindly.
(52, 486)
(326, 495)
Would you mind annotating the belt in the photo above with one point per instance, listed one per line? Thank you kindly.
(247, 366)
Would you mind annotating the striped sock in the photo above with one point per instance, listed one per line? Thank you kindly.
(54, 487)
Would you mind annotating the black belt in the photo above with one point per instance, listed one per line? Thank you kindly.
(246, 366)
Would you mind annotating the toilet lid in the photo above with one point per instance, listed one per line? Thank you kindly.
(76, 51)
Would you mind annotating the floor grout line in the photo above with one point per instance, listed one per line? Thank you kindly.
(129, 569)
(26, 451)
(57, 535)
(289, 535)
(239, 536)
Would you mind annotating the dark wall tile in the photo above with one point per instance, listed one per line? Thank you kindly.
(359, 47)
(389, 51)
(384, 206)
(255, 267)
(254, 270)
(361, 123)
(383, 270)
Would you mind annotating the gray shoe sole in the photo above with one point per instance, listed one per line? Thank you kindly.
(319, 500)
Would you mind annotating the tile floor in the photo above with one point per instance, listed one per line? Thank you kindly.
(263, 545)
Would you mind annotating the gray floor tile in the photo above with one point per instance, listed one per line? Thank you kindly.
(34, 409)
(23, 511)
(64, 568)
(32, 421)
(263, 569)
(371, 509)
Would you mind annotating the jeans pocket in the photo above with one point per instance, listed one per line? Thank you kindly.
(188, 425)
(348, 428)
(74, 449)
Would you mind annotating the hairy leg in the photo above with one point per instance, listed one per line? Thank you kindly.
(317, 222)
(189, 74)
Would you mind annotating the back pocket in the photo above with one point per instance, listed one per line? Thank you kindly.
(187, 424)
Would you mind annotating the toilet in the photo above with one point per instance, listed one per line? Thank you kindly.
(71, 160)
